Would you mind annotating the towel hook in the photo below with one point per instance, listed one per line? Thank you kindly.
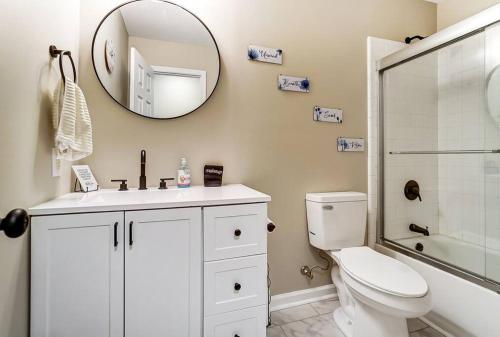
(54, 52)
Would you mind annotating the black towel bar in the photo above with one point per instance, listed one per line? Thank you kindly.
(54, 52)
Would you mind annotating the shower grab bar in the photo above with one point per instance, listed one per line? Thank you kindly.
(447, 152)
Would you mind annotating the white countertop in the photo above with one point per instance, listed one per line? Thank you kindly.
(108, 200)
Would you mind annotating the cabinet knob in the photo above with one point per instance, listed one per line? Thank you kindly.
(237, 286)
(237, 233)
(271, 227)
(236, 335)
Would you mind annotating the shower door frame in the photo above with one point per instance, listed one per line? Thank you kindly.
(461, 31)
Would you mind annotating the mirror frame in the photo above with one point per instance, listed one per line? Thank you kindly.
(174, 4)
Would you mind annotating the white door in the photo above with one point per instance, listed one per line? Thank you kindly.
(141, 85)
(77, 275)
(163, 273)
(178, 91)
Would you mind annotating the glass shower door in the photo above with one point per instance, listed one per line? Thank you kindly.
(434, 143)
(492, 161)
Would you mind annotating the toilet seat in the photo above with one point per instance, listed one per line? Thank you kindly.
(381, 272)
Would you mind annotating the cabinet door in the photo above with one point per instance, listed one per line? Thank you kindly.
(77, 275)
(163, 273)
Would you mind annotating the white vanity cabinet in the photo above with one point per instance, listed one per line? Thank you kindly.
(77, 275)
(235, 281)
(176, 263)
(163, 272)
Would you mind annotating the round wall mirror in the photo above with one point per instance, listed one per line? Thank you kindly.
(155, 58)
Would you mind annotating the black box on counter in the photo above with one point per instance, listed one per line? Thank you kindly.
(213, 175)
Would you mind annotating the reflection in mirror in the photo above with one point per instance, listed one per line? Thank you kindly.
(492, 94)
(156, 58)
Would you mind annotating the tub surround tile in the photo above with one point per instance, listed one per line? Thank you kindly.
(325, 307)
(293, 314)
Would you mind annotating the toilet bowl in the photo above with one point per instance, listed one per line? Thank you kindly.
(377, 293)
(376, 303)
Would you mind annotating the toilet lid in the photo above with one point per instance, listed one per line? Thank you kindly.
(382, 272)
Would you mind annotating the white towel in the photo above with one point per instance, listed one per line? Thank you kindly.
(71, 118)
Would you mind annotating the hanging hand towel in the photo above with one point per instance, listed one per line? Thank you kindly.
(72, 123)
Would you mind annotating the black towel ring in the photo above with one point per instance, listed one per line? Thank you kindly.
(54, 52)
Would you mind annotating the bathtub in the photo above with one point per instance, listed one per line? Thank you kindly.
(460, 307)
(466, 256)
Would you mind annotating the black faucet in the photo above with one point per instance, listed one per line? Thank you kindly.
(142, 178)
(418, 229)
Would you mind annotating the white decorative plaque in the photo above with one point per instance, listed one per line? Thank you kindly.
(292, 83)
(265, 54)
(327, 115)
(350, 144)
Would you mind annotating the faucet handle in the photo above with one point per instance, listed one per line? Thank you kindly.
(163, 183)
(412, 191)
(123, 185)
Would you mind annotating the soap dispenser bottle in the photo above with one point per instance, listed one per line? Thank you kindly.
(183, 174)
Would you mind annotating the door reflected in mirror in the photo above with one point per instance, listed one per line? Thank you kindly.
(155, 58)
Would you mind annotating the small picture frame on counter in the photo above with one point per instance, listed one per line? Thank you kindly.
(213, 175)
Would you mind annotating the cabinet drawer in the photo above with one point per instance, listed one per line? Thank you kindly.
(235, 231)
(244, 323)
(235, 284)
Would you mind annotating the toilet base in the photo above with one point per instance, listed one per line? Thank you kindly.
(369, 322)
(343, 322)
(375, 323)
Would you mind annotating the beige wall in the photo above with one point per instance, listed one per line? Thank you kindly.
(180, 55)
(265, 138)
(452, 11)
(116, 82)
(28, 76)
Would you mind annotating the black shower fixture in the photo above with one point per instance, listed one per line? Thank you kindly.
(412, 190)
(408, 39)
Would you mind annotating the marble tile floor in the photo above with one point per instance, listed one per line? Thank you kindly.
(316, 320)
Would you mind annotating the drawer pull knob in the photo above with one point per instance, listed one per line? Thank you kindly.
(271, 227)
(237, 233)
(236, 335)
(237, 286)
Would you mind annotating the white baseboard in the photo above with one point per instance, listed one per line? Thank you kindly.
(296, 298)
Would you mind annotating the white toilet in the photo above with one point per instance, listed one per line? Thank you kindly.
(377, 293)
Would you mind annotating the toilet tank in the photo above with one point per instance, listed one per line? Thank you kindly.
(336, 220)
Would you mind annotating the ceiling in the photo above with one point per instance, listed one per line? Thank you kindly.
(158, 20)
